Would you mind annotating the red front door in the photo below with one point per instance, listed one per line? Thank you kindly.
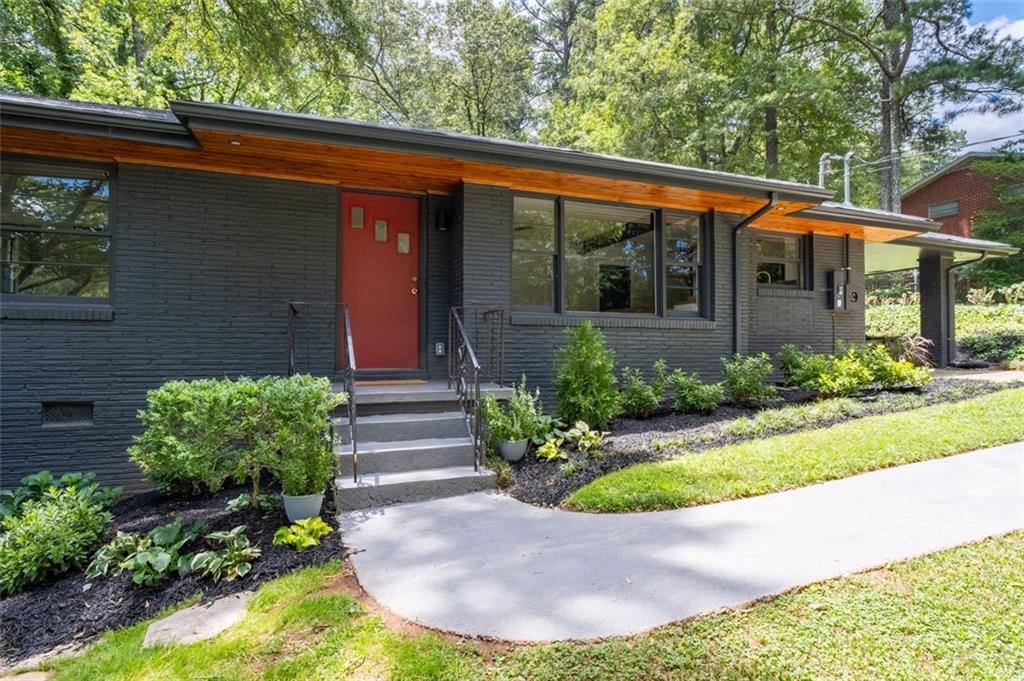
(380, 278)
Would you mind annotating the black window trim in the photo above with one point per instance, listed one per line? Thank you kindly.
(704, 298)
(70, 168)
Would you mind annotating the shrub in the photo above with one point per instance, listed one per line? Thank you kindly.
(887, 372)
(587, 440)
(519, 419)
(303, 534)
(841, 376)
(232, 560)
(640, 399)
(693, 396)
(585, 383)
(51, 535)
(201, 433)
(148, 558)
(746, 379)
(991, 347)
(35, 486)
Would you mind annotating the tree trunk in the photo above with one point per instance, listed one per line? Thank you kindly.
(891, 141)
(891, 105)
(771, 112)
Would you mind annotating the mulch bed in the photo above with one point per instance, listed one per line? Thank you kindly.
(632, 441)
(74, 609)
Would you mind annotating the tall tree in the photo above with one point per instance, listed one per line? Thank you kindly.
(922, 50)
(1003, 222)
(287, 53)
(564, 30)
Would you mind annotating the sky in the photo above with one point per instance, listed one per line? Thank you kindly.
(1006, 17)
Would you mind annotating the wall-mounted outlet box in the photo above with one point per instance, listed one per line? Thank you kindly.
(439, 349)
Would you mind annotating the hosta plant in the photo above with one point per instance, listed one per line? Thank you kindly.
(587, 439)
(149, 558)
(303, 534)
(552, 449)
(232, 560)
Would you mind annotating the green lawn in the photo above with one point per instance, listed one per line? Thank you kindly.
(784, 462)
(952, 614)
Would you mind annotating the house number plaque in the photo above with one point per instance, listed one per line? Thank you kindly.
(380, 230)
(403, 242)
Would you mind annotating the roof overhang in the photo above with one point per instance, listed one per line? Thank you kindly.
(904, 254)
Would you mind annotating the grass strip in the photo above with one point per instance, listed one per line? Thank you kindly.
(799, 459)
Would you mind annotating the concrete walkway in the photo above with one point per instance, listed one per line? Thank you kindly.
(995, 375)
(486, 564)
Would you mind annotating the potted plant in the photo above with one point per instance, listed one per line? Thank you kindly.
(305, 475)
(512, 427)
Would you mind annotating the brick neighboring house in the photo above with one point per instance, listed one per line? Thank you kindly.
(953, 195)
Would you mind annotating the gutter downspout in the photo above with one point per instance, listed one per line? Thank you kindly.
(773, 198)
(951, 305)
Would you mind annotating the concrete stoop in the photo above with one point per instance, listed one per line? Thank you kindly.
(413, 445)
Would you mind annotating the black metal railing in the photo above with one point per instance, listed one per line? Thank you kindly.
(494, 320)
(464, 376)
(344, 360)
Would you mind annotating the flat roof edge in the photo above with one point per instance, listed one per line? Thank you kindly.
(236, 119)
(865, 216)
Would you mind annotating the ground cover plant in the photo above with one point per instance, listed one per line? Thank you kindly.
(76, 606)
(950, 614)
(850, 371)
(787, 461)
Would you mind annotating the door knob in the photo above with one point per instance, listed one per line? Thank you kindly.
(415, 291)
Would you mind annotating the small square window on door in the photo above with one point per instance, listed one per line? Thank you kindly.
(403, 243)
(380, 230)
(357, 217)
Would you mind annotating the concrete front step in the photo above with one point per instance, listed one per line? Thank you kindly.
(393, 488)
(394, 427)
(407, 455)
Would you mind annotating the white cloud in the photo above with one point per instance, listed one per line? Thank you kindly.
(979, 126)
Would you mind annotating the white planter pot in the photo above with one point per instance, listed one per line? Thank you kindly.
(302, 507)
(513, 450)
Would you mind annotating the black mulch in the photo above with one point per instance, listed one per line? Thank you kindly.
(74, 609)
(632, 441)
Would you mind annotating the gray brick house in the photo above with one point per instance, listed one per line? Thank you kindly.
(210, 240)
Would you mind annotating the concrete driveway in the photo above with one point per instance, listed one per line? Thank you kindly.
(485, 564)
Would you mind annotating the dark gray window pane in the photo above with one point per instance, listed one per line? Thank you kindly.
(679, 300)
(609, 258)
(533, 279)
(49, 202)
(778, 247)
(682, 239)
(53, 248)
(534, 224)
(778, 273)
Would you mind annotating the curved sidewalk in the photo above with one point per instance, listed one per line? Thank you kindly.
(485, 564)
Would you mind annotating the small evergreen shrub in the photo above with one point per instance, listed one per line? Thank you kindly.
(857, 368)
(639, 398)
(746, 379)
(693, 396)
(585, 385)
(50, 536)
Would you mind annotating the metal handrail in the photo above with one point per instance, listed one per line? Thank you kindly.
(348, 370)
(464, 375)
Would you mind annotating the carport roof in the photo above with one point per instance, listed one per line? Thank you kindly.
(903, 254)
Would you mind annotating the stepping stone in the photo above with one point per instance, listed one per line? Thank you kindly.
(198, 622)
(27, 676)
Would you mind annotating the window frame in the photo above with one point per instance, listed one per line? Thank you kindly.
(74, 169)
(659, 267)
(803, 261)
(956, 211)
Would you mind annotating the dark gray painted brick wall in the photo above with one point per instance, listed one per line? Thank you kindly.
(802, 317)
(204, 266)
(482, 236)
